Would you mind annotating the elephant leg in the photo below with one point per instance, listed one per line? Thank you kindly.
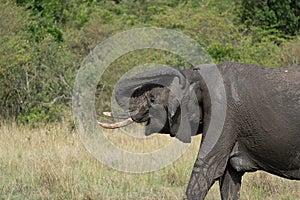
(230, 183)
(211, 161)
(204, 174)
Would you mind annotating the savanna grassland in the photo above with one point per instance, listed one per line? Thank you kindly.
(51, 162)
(42, 45)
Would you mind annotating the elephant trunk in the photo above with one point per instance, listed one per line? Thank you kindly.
(162, 77)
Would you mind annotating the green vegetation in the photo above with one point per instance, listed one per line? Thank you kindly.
(43, 43)
(277, 17)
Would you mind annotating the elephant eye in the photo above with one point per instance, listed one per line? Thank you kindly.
(151, 98)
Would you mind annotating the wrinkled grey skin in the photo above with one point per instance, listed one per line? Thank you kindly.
(261, 130)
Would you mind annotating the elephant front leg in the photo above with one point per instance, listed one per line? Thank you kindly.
(205, 173)
(211, 162)
(230, 183)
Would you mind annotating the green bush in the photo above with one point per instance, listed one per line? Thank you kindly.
(271, 14)
(33, 74)
(223, 52)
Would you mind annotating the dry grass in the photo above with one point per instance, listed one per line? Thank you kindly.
(51, 163)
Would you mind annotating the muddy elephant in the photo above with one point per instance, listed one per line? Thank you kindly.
(261, 128)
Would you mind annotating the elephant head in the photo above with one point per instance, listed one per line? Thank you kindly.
(164, 98)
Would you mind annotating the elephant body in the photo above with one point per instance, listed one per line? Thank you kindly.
(264, 106)
(261, 129)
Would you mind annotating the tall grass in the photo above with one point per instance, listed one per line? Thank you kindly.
(50, 162)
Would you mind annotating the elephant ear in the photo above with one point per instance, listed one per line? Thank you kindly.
(186, 99)
(165, 76)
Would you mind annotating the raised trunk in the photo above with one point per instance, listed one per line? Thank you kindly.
(162, 76)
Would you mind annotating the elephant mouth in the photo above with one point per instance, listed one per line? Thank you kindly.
(138, 116)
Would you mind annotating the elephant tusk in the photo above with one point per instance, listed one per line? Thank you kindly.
(117, 124)
(109, 114)
(116, 115)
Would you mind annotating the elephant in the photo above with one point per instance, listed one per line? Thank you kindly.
(261, 128)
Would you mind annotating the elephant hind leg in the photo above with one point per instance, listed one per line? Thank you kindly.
(230, 183)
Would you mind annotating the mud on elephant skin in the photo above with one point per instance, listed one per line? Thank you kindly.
(261, 129)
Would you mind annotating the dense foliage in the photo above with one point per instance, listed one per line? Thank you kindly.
(282, 17)
(43, 43)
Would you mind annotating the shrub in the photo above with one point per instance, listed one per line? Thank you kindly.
(33, 75)
(271, 14)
